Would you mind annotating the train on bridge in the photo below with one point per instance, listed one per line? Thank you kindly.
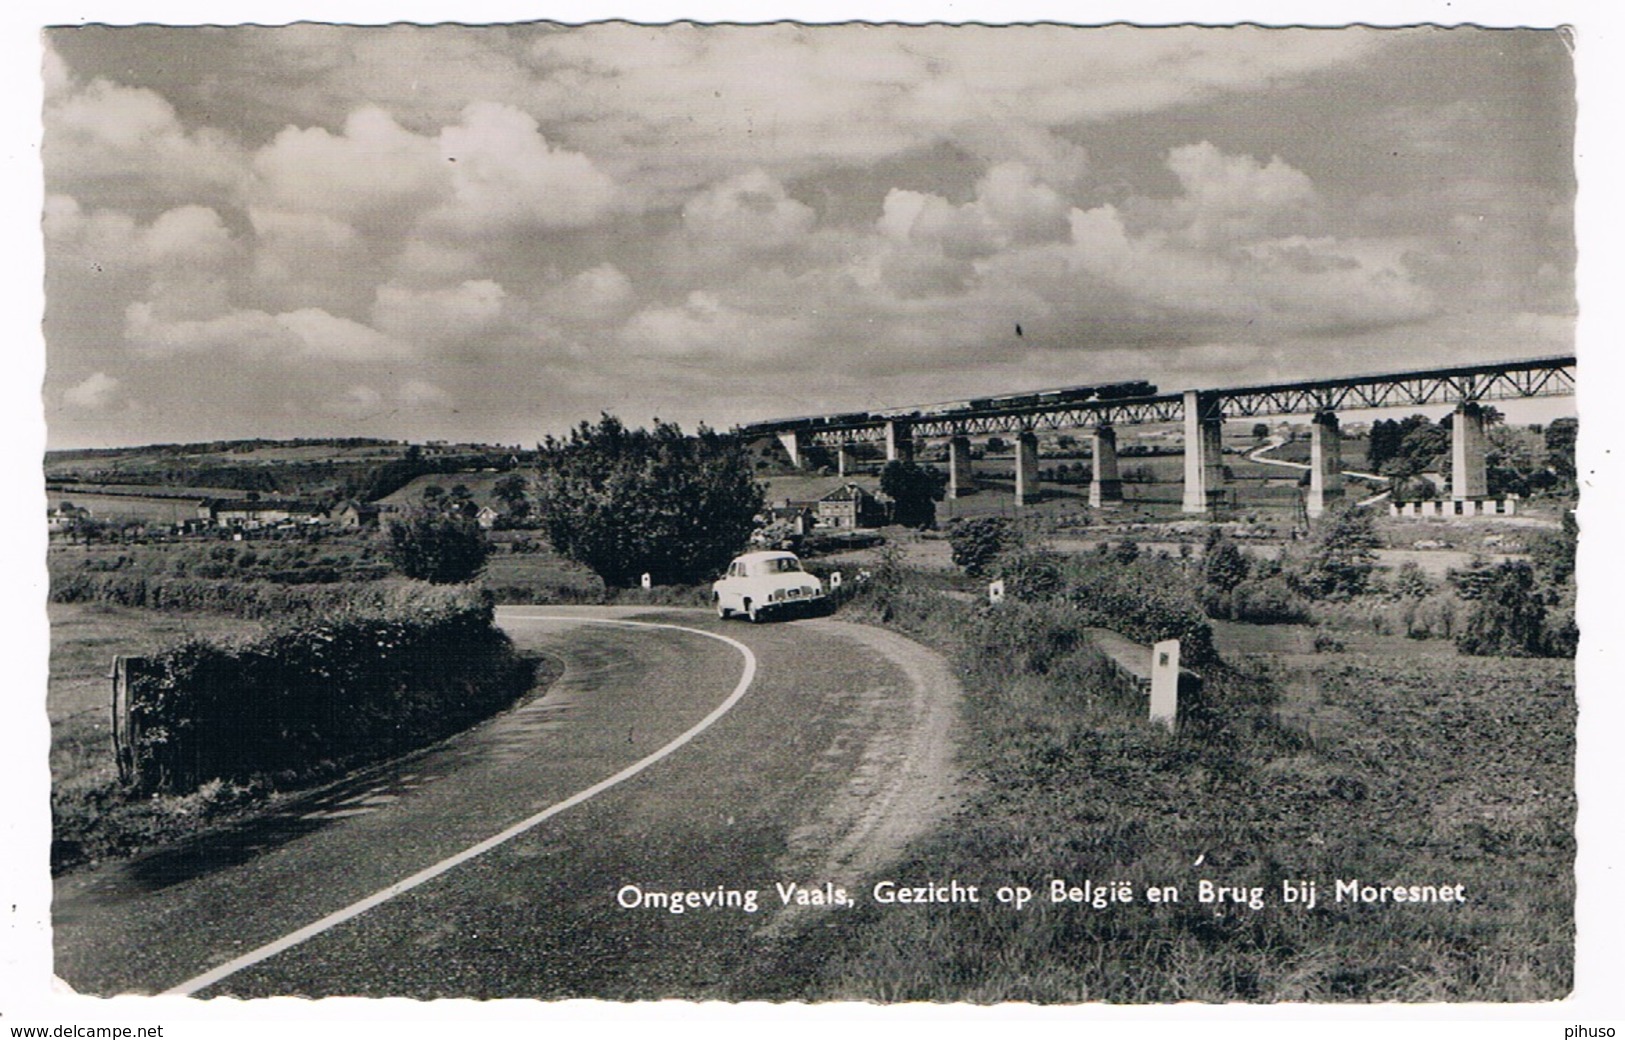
(1037, 399)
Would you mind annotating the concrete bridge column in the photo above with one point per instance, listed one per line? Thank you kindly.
(1469, 478)
(1204, 466)
(899, 441)
(792, 444)
(843, 458)
(1027, 488)
(1105, 487)
(961, 476)
(1325, 463)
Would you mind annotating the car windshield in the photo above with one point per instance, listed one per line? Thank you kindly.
(782, 565)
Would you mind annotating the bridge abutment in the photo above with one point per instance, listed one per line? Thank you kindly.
(1204, 467)
(792, 444)
(961, 474)
(1105, 486)
(1027, 485)
(1325, 463)
(1469, 476)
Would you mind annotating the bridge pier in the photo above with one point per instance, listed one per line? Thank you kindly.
(843, 458)
(1325, 463)
(1204, 453)
(792, 444)
(961, 475)
(1469, 477)
(1027, 487)
(899, 441)
(1105, 486)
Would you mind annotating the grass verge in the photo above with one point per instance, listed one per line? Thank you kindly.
(1382, 768)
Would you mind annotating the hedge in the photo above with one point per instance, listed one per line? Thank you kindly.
(360, 683)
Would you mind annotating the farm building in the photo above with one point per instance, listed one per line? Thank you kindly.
(848, 508)
(253, 515)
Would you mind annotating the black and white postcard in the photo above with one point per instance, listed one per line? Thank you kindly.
(1067, 514)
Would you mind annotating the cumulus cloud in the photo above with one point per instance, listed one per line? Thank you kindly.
(599, 292)
(1234, 197)
(101, 138)
(706, 327)
(93, 394)
(931, 245)
(374, 169)
(188, 235)
(419, 393)
(504, 172)
(302, 258)
(308, 334)
(438, 315)
(750, 212)
(1296, 283)
(101, 241)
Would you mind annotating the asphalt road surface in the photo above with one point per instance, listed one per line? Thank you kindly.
(816, 750)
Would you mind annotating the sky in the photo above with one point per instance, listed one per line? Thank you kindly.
(492, 233)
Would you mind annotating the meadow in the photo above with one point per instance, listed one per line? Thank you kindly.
(1376, 758)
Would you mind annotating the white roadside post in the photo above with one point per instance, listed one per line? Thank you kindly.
(1165, 683)
(648, 582)
(835, 580)
(995, 592)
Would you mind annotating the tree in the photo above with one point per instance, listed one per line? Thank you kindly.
(1561, 435)
(444, 548)
(1515, 462)
(1261, 431)
(510, 491)
(914, 491)
(461, 501)
(1224, 565)
(1509, 620)
(629, 502)
(1340, 556)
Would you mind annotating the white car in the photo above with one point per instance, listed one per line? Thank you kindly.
(761, 584)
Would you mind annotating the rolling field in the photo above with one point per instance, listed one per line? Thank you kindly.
(84, 638)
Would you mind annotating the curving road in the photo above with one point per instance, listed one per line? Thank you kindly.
(664, 758)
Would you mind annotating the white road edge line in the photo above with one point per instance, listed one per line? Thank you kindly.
(356, 909)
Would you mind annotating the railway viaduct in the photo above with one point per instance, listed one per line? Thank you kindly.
(1202, 413)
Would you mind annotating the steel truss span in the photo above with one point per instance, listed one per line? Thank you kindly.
(1541, 377)
(1498, 381)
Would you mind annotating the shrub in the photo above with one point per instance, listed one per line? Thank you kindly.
(1147, 601)
(976, 543)
(1410, 583)
(1030, 573)
(1267, 601)
(441, 547)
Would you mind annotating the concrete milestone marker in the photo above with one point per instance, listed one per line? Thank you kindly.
(1165, 682)
(648, 582)
(995, 592)
(835, 580)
